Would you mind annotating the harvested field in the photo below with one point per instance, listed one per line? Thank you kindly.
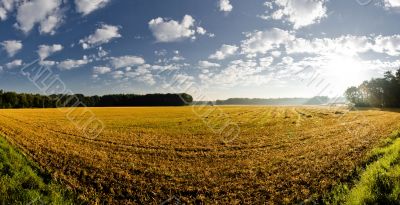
(148, 155)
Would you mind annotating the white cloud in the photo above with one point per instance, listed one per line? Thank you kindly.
(102, 35)
(126, 61)
(161, 52)
(99, 55)
(224, 52)
(71, 64)
(287, 60)
(329, 56)
(6, 6)
(182, 79)
(201, 30)
(148, 79)
(387, 44)
(43, 12)
(276, 53)
(3, 15)
(12, 47)
(165, 30)
(117, 74)
(269, 5)
(208, 64)
(14, 64)
(47, 63)
(51, 23)
(225, 6)
(86, 7)
(173, 66)
(101, 70)
(45, 51)
(237, 72)
(266, 61)
(142, 74)
(392, 3)
(345, 44)
(264, 41)
(348, 45)
(177, 58)
(101, 52)
(300, 12)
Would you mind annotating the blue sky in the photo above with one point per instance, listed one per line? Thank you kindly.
(212, 49)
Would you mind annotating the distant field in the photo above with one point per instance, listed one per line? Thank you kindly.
(148, 155)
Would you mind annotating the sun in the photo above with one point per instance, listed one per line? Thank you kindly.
(344, 71)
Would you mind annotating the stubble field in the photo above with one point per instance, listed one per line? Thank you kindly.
(149, 155)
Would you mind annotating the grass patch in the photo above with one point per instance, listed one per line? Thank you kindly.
(20, 182)
(378, 183)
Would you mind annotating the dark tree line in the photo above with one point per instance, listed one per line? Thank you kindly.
(23, 100)
(377, 92)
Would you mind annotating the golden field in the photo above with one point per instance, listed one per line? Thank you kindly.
(148, 155)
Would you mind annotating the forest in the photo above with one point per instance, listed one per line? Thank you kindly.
(377, 92)
(24, 100)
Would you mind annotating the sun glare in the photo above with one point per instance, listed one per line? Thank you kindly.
(345, 71)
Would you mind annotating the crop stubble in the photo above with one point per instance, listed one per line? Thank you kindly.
(147, 155)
